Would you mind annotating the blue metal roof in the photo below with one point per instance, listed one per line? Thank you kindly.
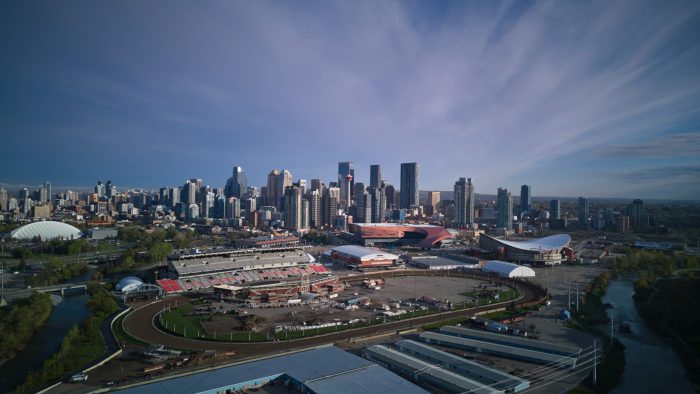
(322, 367)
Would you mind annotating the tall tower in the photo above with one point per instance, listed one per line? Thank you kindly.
(583, 211)
(346, 191)
(237, 184)
(346, 168)
(504, 205)
(329, 205)
(525, 198)
(409, 185)
(375, 176)
(378, 204)
(554, 210)
(293, 217)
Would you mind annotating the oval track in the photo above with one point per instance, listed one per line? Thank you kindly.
(140, 323)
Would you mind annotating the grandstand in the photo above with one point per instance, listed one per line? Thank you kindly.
(203, 273)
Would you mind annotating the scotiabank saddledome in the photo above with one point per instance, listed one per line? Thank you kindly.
(420, 235)
(541, 251)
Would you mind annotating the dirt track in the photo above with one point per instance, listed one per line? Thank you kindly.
(140, 324)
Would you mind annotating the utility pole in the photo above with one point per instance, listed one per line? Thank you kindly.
(612, 326)
(595, 364)
(569, 298)
(577, 294)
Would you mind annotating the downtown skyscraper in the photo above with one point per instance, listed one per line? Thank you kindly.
(525, 198)
(504, 207)
(237, 184)
(409, 185)
(464, 202)
(583, 211)
(375, 176)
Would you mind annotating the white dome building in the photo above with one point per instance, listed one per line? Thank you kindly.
(46, 230)
(508, 270)
(129, 284)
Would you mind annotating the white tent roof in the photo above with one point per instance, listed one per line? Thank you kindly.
(46, 230)
(508, 270)
(364, 253)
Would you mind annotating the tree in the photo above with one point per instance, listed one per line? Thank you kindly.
(159, 251)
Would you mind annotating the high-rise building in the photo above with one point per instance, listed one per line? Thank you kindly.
(100, 189)
(363, 208)
(583, 211)
(359, 189)
(346, 169)
(293, 208)
(317, 184)
(346, 192)
(554, 210)
(463, 202)
(622, 224)
(378, 204)
(525, 198)
(329, 205)
(315, 215)
(504, 206)
(390, 193)
(637, 218)
(175, 196)
(375, 176)
(47, 187)
(409, 185)
(233, 208)
(4, 199)
(189, 190)
(237, 184)
(277, 182)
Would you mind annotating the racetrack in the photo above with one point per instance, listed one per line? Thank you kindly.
(140, 323)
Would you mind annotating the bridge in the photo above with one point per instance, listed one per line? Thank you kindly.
(62, 288)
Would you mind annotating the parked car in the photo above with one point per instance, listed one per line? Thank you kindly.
(79, 377)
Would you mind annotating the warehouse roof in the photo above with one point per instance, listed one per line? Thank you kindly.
(499, 349)
(364, 253)
(319, 368)
(473, 370)
(420, 367)
(511, 340)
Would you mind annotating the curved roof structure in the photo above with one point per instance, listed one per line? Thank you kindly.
(508, 270)
(552, 242)
(431, 235)
(128, 284)
(46, 230)
(364, 253)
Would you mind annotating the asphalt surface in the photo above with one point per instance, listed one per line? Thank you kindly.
(140, 323)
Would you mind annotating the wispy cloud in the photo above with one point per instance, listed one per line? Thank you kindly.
(481, 90)
(688, 173)
(685, 144)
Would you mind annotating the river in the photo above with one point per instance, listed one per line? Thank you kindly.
(651, 365)
(71, 310)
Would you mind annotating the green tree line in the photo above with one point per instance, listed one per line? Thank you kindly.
(79, 347)
(19, 321)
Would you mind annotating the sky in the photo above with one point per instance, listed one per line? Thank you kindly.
(594, 98)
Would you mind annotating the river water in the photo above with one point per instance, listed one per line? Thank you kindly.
(45, 342)
(651, 365)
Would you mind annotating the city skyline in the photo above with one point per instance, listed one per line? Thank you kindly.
(589, 99)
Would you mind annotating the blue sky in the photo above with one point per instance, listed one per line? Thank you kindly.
(598, 98)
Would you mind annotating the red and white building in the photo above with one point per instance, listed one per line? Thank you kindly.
(362, 257)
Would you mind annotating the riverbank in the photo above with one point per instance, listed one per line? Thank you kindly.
(591, 314)
(79, 346)
(20, 321)
(44, 342)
